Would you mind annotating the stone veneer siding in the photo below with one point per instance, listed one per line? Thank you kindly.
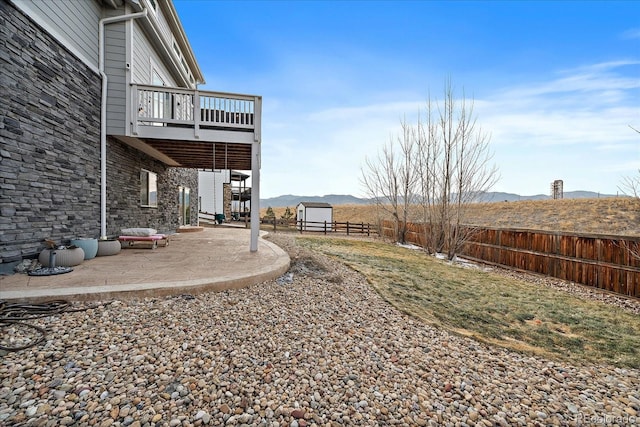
(226, 200)
(124, 164)
(50, 150)
(49, 140)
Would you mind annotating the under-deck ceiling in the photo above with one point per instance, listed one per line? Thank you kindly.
(201, 155)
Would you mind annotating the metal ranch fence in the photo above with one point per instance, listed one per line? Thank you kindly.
(321, 227)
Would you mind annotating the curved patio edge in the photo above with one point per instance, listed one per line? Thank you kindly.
(276, 262)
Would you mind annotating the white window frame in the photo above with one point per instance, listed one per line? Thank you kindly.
(154, 67)
(148, 185)
(160, 103)
(153, 5)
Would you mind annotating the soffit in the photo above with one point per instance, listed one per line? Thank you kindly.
(204, 155)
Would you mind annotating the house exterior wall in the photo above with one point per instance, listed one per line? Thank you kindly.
(74, 22)
(145, 59)
(115, 62)
(50, 150)
(163, 25)
(226, 196)
(160, 16)
(127, 43)
(49, 140)
(140, 63)
(124, 164)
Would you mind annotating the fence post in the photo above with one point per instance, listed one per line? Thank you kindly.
(347, 228)
(325, 227)
(300, 226)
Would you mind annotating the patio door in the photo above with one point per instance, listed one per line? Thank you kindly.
(184, 206)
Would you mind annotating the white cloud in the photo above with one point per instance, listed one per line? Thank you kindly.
(628, 168)
(573, 127)
(591, 106)
(633, 33)
(323, 150)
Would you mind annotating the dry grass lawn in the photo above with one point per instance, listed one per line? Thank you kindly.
(614, 216)
(492, 308)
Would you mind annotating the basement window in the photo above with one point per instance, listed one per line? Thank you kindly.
(148, 189)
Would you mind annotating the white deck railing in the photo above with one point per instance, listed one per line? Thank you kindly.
(176, 107)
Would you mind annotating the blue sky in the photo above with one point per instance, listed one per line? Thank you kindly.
(555, 84)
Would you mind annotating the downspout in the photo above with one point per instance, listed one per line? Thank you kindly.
(103, 116)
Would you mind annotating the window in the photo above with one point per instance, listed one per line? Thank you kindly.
(154, 5)
(180, 57)
(160, 102)
(148, 189)
(184, 205)
(156, 78)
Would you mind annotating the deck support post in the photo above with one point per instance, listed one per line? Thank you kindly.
(255, 176)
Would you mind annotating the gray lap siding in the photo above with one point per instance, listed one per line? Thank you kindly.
(50, 150)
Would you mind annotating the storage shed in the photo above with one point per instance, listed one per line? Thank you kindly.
(312, 216)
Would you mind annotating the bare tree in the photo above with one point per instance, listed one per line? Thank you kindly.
(630, 186)
(429, 151)
(443, 164)
(455, 170)
(390, 179)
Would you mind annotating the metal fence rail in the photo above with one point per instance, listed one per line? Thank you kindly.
(321, 227)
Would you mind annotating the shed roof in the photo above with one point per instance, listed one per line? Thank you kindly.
(315, 205)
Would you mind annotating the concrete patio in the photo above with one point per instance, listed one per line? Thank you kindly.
(214, 259)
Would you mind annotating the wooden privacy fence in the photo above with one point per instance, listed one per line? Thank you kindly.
(611, 263)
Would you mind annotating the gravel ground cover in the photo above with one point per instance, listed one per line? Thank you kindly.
(315, 347)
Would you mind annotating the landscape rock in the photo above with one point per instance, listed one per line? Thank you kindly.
(314, 352)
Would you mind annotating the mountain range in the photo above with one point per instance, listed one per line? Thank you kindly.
(345, 199)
